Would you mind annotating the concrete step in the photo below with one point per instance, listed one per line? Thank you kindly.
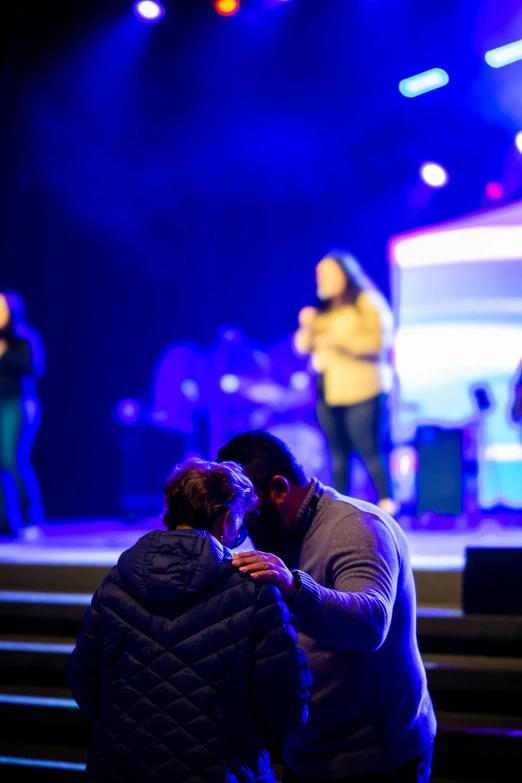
(439, 630)
(450, 631)
(40, 720)
(41, 764)
(477, 747)
(40, 613)
(471, 747)
(38, 660)
(434, 587)
(457, 683)
(52, 578)
(475, 684)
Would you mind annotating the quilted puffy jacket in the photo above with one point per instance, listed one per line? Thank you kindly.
(186, 666)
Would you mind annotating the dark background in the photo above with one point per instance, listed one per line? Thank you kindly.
(160, 180)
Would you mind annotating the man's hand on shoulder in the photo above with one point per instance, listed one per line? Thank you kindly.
(263, 566)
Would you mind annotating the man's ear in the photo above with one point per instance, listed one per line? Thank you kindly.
(278, 490)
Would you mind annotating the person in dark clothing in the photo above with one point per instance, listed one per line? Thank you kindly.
(516, 405)
(186, 666)
(21, 365)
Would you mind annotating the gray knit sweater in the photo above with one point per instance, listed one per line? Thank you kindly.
(356, 618)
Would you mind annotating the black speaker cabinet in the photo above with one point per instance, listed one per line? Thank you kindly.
(492, 581)
(439, 478)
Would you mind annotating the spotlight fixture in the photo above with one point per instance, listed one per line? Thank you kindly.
(434, 175)
(148, 11)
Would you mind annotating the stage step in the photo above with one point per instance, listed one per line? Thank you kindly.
(43, 720)
(16, 769)
(52, 578)
(475, 684)
(38, 661)
(483, 748)
(450, 631)
(36, 613)
(457, 683)
(440, 630)
(477, 747)
(434, 587)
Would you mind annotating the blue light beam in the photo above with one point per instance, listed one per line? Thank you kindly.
(423, 82)
(504, 55)
(44, 763)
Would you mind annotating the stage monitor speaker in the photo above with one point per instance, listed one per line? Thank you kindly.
(439, 478)
(492, 581)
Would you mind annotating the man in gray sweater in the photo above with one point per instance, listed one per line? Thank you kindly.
(343, 567)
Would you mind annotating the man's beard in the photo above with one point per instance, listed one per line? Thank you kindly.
(268, 531)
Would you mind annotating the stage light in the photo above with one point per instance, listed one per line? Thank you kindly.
(128, 411)
(423, 82)
(518, 141)
(504, 55)
(434, 175)
(300, 380)
(190, 389)
(38, 701)
(459, 246)
(43, 763)
(148, 11)
(229, 384)
(494, 191)
(227, 7)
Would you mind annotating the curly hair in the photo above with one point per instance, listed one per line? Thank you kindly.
(197, 492)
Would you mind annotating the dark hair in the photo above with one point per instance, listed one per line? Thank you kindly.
(263, 456)
(197, 492)
(356, 279)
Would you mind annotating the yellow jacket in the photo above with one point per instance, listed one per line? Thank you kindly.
(349, 347)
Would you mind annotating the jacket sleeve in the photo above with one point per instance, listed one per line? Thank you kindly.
(83, 669)
(356, 613)
(281, 677)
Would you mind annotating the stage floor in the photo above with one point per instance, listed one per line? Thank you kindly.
(100, 542)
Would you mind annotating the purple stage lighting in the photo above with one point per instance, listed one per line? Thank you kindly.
(190, 389)
(128, 411)
(518, 141)
(148, 11)
(300, 380)
(434, 175)
(494, 191)
(229, 384)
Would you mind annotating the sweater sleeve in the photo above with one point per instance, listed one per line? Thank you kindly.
(363, 563)
(281, 677)
(84, 665)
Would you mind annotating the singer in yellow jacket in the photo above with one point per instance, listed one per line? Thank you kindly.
(349, 335)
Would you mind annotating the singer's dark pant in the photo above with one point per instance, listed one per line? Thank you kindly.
(356, 428)
(15, 465)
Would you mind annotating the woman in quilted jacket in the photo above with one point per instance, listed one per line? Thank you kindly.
(185, 665)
